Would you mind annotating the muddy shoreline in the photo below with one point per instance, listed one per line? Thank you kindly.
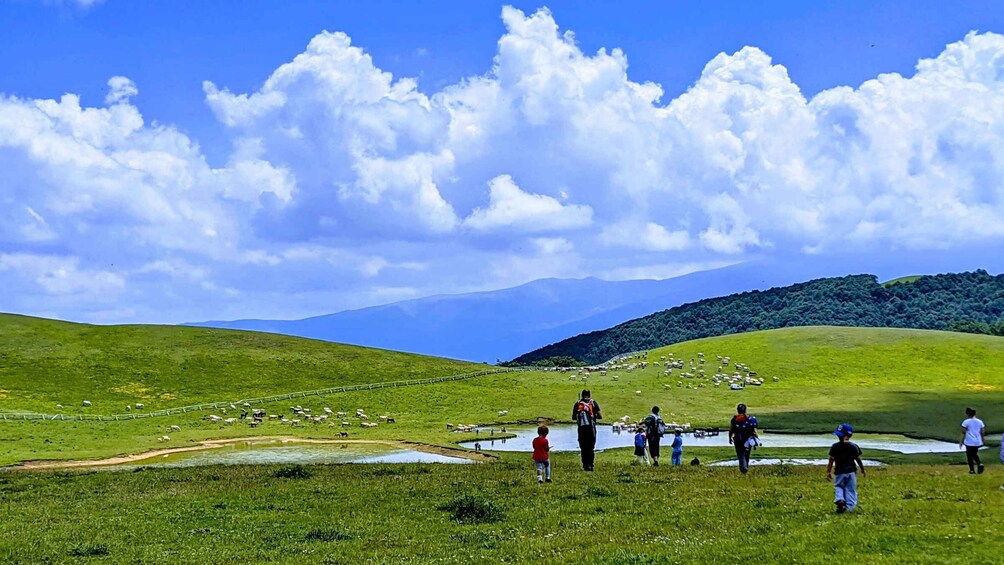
(49, 465)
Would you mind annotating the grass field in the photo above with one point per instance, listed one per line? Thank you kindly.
(497, 512)
(44, 363)
(881, 380)
(920, 508)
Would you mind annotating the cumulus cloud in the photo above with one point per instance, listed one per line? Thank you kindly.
(511, 208)
(120, 89)
(342, 172)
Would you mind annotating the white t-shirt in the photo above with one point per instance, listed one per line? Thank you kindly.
(973, 426)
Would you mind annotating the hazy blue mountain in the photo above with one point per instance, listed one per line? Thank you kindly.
(485, 326)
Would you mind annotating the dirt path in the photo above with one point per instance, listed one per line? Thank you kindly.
(218, 443)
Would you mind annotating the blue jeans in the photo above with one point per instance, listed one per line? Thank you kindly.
(845, 486)
(677, 458)
(544, 468)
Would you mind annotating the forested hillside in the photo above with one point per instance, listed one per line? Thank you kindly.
(966, 301)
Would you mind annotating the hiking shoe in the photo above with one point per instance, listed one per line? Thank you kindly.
(547, 480)
(655, 463)
(971, 472)
(980, 469)
(540, 479)
(841, 507)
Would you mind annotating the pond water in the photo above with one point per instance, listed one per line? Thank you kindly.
(563, 437)
(276, 452)
(772, 461)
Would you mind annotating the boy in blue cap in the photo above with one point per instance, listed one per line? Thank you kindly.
(843, 455)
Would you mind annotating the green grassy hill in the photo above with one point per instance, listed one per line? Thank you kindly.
(881, 380)
(45, 362)
(902, 280)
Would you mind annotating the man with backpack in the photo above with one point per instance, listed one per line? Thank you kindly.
(742, 434)
(655, 428)
(585, 413)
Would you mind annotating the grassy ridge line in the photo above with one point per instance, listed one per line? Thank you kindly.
(261, 400)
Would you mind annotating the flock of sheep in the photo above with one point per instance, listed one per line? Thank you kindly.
(298, 415)
(697, 377)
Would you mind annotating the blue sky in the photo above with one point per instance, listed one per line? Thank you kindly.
(195, 186)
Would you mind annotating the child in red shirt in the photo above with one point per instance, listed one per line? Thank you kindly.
(541, 450)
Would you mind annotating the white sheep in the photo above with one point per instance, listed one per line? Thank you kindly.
(139, 406)
(175, 428)
(230, 421)
(503, 412)
(87, 403)
(165, 438)
(637, 393)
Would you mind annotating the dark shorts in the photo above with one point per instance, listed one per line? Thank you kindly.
(639, 450)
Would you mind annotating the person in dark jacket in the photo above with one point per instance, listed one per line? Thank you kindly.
(654, 428)
(741, 429)
(585, 413)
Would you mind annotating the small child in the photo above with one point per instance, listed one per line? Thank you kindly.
(541, 457)
(843, 456)
(639, 447)
(677, 447)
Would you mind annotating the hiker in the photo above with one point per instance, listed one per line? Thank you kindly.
(677, 447)
(655, 428)
(585, 413)
(742, 429)
(843, 456)
(541, 455)
(972, 440)
(639, 446)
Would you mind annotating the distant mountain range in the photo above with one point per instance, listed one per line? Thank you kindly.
(972, 302)
(488, 326)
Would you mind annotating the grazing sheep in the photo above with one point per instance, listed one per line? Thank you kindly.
(343, 434)
(230, 421)
(128, 407)
(139, 406)
(390, 421)
(165, 438)
(327, 411)
(637, 393)
(175, 428)
(87, 403)
(59, 406)
(295, 422)
(346, 424)
(503, 412)
(214, 418)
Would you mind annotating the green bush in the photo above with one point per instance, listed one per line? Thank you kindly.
(89, 550)
(293, 472)
(474, 509)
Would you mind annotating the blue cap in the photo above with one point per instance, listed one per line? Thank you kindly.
(843, 430)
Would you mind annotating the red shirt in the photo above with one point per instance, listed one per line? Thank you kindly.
(540, 448)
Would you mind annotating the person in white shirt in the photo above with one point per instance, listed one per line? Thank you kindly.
(972, 440)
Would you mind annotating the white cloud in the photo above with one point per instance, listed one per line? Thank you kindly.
(511, 208)
(647, 236)
(120, 89)
(341, 171)
(58, 275)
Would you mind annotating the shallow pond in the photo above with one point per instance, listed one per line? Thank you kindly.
(786, 461)
(563, 437)
(276, 452)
